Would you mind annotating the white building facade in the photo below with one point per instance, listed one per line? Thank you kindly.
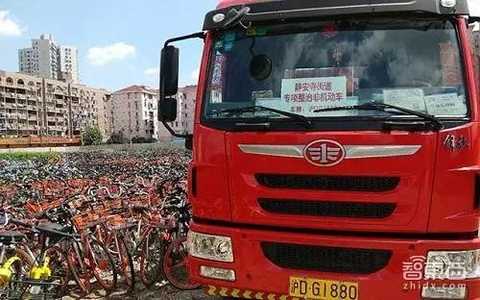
(68, 59)
(49, 60)
(135, 113)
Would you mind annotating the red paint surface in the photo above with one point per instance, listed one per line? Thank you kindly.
(227, 3)
(435, 195)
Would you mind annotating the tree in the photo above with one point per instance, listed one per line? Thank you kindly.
(116, 138)
(92, 136)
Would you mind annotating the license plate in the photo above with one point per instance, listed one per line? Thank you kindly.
(319, 289)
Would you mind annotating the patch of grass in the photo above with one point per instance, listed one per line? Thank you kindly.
(29, 155)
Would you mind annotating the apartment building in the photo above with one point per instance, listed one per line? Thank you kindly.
(185, 109)
(68, 60)
(45, 58)
(134, 113)
(31, 105)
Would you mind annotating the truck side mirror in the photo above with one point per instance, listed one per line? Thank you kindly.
(169, 71)
(167, 110)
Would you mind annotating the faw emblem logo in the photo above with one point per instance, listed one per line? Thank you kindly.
(324, 153)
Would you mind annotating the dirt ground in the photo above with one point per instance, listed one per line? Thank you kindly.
(157, 293)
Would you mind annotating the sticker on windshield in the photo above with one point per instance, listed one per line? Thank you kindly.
(263, 94)
(445, 104)
(217, 79)
(229, 37)
(305, 95)
(407, 98)
(256, 31)
(229, 41)
(219, 45)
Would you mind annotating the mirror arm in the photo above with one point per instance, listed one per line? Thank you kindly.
(172, 132)
(198, 35)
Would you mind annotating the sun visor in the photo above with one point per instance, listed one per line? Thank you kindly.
(288, 9)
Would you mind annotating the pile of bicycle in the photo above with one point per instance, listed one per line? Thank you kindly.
(93, 221)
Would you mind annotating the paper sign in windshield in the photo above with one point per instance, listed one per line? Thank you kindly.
(305, 95)
(445, 104)
(407, 98)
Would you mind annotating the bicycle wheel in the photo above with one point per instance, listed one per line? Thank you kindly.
(175, 265)
(60, 272)
(79, 268)
(20, 270)
(151, 258)
(101, 264)
(122, 259)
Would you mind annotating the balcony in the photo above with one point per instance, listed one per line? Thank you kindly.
(57, 128)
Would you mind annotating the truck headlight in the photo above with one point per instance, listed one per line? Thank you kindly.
(453, 265)
(211, 247)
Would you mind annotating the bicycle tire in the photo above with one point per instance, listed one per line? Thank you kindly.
(174, 265)
(81, 278)
(104, 268)
(14, 289)
(151, 264)
(58, 259)
(123, 260)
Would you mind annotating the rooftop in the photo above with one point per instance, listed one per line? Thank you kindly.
(136, 89)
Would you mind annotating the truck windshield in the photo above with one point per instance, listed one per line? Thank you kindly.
(304, 68)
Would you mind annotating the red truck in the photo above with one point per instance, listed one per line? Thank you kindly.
(335, 150)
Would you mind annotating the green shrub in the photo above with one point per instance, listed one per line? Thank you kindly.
(92, 136)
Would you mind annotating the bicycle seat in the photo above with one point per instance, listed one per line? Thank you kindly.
(10, 237)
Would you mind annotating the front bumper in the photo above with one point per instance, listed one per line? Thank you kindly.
(258, 278)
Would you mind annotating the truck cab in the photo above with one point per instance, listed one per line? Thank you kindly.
(335, 150)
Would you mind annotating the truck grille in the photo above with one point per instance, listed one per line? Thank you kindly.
(328, 209)
(326, 259)
(329, 183)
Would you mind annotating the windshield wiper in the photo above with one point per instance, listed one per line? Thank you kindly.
(373, 105)
(255, 108)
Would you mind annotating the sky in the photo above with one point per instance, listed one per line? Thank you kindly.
(119, 41)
